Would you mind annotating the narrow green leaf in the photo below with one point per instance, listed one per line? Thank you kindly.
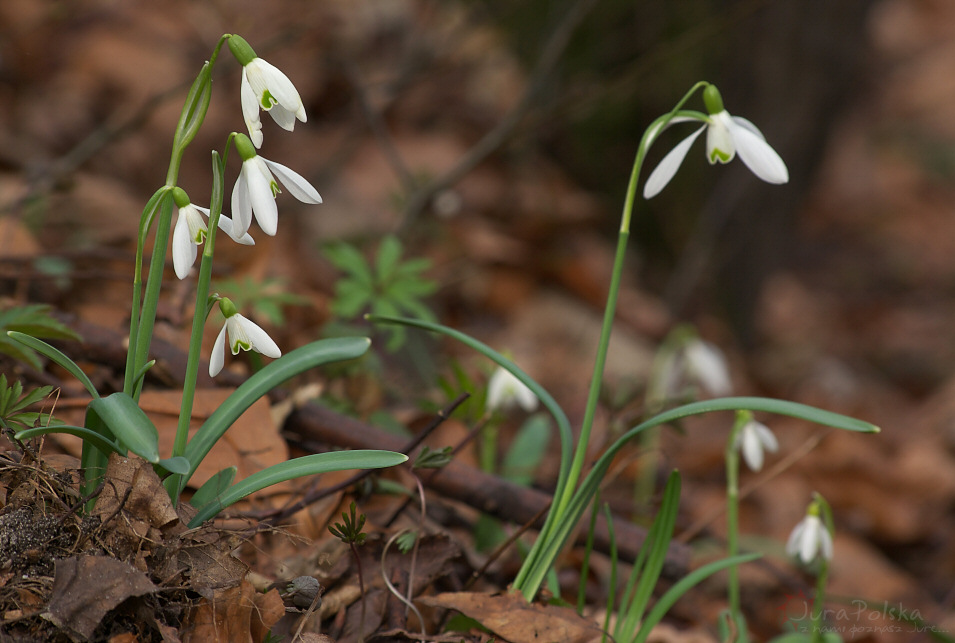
(213, 487)
(682, 587)
(289, 365)
(131, 426)
(296, 468)
(56, 356)
(101, 442)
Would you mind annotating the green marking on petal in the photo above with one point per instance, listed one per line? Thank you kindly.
(719, 155)
(267, 100)
(240, 343)
(275, 189)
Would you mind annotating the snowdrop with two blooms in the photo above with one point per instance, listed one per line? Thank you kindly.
(191, 230)
(256, 188)
(725, 136)
(505, 391)
(265, 87)
(243, 334)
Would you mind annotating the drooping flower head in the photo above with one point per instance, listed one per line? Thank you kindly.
(811, 536)
(725, 136)
(505, 391)
(753, 439)
(243, 335)
(256, 188)
(191, 230)
(265, 87)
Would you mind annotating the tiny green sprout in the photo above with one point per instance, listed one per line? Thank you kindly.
(433, 459)
(388, 286)
(406, 540)
(349, 531)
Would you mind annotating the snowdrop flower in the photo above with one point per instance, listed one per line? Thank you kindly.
(753, 439)
(256, 189)
(705, 364)
(243, 334)
(265, 87)
(505, 391)
(191, 230)
(810, 537)
(725, 136)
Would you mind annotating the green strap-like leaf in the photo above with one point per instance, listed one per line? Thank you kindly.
(682, 587)
(56, 356)
(301, 359)
(297, 468)
(131, 426)
(212, 487)
(101, 442)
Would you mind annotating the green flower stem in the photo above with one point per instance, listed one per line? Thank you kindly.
(201, 312)
(157, 265)
(143, 315)
(565, 488)
(819, 600)
(732, 521)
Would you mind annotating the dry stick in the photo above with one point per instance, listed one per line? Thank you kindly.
(551, 53)
(490, 494)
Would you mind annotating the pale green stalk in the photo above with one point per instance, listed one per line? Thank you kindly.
(564, 491)
(819, 601)
(732, 522)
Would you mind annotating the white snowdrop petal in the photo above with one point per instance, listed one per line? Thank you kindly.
(241, 205)
(217, 359)
(261, 196)
(260, 340)
(295, 183)
(250, 110)
(667, 168)
(759, 157)
(183, 250)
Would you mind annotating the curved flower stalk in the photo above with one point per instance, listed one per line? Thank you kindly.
(243, 334)
(256, 188)
(265, 87)
(725, 136)
(191, 231)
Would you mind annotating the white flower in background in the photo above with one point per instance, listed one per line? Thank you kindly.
(243, 334)
(265, 87)
(705, 364)
(754, 438)
(505, 391)
(256, 188)
(810, 537)
(191, 231)
(725, 136)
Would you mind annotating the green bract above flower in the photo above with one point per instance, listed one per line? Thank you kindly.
(754, 438)
(265, 87)
(505, 391)
(191, 230)
(243, 334)
(725, 136)
(256, 189)
(810, 537)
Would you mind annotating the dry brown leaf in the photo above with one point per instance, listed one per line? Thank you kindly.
(86, 588)
(234, 615)
(251, 444)
(514, 619)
